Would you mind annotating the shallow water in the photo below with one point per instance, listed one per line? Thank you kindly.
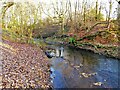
(84, 69)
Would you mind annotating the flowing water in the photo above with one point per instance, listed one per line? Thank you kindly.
(79, 68)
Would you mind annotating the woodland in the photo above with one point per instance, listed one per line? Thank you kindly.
(26, 26)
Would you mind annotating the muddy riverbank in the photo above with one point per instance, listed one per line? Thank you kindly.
(112, 51)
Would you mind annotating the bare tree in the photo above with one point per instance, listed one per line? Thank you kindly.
(99, 12)
(5, 7)
(84, 10)
(60, 10)
(75, 15)
(109, 13)
(118, 18)
(96, 11)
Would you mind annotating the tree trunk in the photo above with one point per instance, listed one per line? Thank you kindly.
(96, 12)
(4, 9)
(118, 18)
(109, 14)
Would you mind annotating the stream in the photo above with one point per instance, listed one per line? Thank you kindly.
(78, 68)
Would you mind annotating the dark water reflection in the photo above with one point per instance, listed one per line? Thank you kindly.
(83, 69)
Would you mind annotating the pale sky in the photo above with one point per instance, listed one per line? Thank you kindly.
(104, 3)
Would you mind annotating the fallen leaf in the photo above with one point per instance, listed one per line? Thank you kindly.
(97, 83)
(85, 75)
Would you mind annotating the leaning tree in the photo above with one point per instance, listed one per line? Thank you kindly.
(5, 7)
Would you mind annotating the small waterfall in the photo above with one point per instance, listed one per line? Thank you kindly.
(59, 52)
(62, 52)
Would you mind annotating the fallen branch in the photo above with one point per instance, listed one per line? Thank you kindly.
(108, 50)
(92, 36)
(98, 45)
(96, 25)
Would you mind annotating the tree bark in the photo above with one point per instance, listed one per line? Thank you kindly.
(96, 12)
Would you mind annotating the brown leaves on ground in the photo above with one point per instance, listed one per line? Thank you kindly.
(110, 38)
(27, 68)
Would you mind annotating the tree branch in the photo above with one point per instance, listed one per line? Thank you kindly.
(96, 25)
(91, 36)
(4, 9)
